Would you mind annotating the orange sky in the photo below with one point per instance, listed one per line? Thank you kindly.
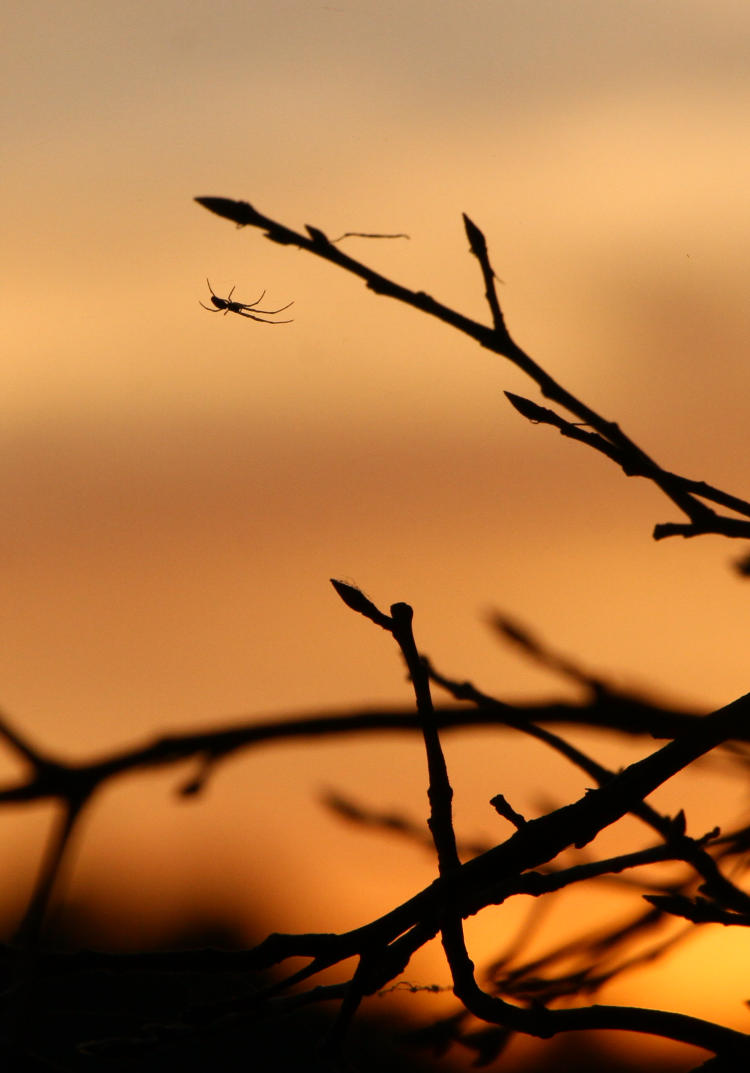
(178, 488)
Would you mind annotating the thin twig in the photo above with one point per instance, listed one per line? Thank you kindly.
(367, 234)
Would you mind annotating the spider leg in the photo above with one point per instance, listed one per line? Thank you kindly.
(260, 319)
(226, 303)
(272, 312)
(250, 305)
(210, 310)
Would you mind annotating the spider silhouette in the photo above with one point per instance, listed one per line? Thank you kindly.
(226, 305)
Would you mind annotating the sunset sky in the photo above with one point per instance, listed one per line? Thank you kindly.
(178, 488)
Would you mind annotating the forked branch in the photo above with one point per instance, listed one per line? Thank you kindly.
(463, 890)
(691, 496)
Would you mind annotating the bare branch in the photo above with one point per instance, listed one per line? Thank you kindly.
(367, 234)
(606, 436)
(478, 246)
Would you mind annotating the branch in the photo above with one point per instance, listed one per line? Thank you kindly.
(607, 436)
(627, 715)
(463, 890)
(478, 246)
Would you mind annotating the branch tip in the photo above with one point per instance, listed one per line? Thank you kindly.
(317, 235)
(532, 411)
(240, 212)
(476, 238)
(402, 613)
(354, 598)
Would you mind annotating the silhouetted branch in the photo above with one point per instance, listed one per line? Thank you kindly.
(478, 246)
(33, 756)
(392, 823)
(385, 945)
(606, 436)
(367, 234)
(534, 648)
(627, 715)
(464, 889)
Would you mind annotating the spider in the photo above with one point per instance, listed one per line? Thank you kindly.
(226, 305)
